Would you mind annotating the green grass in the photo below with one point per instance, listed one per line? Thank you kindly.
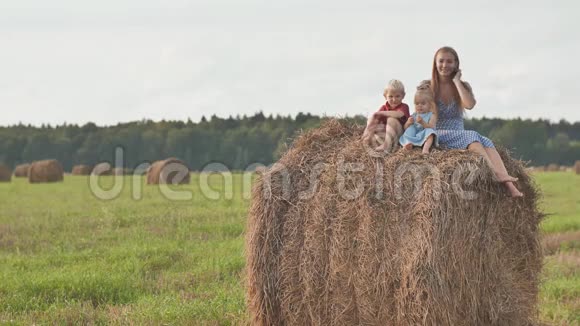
(560, 290)
(67, 257)
(561, 201)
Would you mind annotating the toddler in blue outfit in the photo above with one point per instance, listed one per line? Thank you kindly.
(420, 127)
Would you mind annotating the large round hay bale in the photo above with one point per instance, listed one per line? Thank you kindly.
(336, 236)
(5, 173)
(81, 169)
(169, 171)
(21, 170)
(103, 168)
(577, 167)
(553, 168)
(45, 171)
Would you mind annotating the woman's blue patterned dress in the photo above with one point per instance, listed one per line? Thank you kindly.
(451, 131)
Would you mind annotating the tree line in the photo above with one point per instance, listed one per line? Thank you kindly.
(238, 141)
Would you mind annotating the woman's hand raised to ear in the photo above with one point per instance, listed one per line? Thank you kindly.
(457, 77)
(465, 92)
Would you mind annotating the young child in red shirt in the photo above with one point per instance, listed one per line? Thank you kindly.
(389, 119)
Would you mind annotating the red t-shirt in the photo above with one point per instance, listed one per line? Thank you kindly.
(401, 108)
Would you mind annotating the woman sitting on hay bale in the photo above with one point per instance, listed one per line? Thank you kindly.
(453, 96)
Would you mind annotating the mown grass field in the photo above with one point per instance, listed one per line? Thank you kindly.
(67, 257)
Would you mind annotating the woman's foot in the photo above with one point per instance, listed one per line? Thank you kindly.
(513, 191)
(505, 178)
(408, 147)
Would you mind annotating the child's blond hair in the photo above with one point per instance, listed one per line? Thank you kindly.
(426, 94)
(394, 85)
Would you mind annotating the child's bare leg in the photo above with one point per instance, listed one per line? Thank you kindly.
(371, 127)
(386, 146)
(427, 145)
(394, 130)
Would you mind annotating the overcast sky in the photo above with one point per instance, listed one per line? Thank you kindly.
(111, 61)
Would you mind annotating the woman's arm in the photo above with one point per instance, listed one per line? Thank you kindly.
(465, 92)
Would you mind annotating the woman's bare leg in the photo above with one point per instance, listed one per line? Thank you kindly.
(514, 192)
(478, 148)
(494, 161)
(500, 170)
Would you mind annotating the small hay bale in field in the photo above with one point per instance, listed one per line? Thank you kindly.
(122, 171)
(336, 236)
(169, 171)
(553, 242)
(45, 171)
(577, 167)
(21, 170)
(540, 168)
(81, 169)
(103, 168)
(553, 168)
(5, 173)
(563, 168)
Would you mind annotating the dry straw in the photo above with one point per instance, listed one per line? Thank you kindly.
(45, 171)
(169, 171)
(349, 252)
(21, 171)
(5, 173)
(81, 169)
